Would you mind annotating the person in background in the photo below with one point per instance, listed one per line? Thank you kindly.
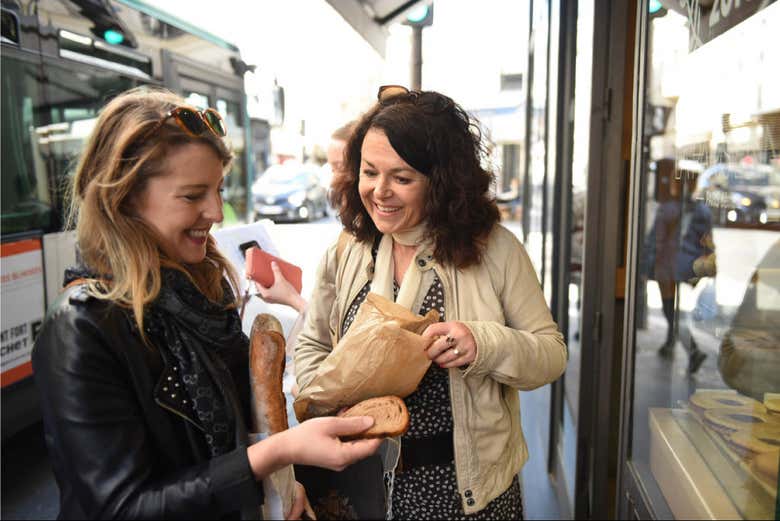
(281, 291)
(680, 234)
(425, 233)
(335, 155)
(141, 364)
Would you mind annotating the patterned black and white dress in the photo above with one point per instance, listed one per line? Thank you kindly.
(431, 491)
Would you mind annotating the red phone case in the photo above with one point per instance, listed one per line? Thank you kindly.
(258, 268)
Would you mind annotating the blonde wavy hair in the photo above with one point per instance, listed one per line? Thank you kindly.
(115, 166)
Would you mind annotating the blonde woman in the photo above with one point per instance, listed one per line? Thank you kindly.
(141, 364)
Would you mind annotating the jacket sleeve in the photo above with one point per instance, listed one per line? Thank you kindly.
(315, 340)
(528, 351)
(99, 442)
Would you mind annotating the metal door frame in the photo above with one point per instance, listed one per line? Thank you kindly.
(603, 219)
(633, 499)
(561, 248)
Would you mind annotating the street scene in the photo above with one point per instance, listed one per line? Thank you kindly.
(357, 259)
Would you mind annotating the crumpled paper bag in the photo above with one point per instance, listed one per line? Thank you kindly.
(382, 353)
(278, 487)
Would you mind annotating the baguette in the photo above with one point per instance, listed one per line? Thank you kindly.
(266, 364)
(268, 322)
(391, 418)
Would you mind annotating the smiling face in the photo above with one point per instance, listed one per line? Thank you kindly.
(183, 202)
(392, 192)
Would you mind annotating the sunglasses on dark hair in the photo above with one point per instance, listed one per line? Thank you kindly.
(194, 122)
(387, 92)
(432, 102)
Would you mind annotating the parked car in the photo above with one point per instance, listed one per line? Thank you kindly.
(740, 194)
(290, 192)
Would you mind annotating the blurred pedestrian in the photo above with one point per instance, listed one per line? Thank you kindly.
(678, 241)
(425, 233)
(335, 155)
(141, 364)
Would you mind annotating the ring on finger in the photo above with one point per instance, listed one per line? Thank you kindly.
(455, 350)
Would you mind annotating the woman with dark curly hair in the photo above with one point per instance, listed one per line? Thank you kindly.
(423, 231)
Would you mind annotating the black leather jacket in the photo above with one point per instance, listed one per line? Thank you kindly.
(118, 449)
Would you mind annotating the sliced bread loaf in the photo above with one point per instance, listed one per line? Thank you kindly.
(391, 418)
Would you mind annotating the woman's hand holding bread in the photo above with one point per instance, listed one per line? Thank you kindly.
(316, 442)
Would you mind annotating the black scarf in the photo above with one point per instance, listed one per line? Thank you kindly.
(194, 336)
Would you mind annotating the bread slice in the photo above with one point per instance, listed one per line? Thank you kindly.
(391, 418)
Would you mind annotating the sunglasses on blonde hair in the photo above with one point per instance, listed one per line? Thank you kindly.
(194, 122)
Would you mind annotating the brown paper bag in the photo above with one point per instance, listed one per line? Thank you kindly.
(382, 353)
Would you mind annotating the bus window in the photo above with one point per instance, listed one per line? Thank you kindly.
(236, 181)
(75, 97)
(25, 193)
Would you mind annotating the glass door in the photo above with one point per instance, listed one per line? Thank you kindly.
(536, 155)
(575, 222)
(702, 408)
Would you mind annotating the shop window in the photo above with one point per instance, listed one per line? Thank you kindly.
(705, 436)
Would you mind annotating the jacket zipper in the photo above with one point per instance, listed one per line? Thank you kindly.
(462, 433)
(177, 413)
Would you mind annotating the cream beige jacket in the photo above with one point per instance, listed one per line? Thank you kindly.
(518, 347)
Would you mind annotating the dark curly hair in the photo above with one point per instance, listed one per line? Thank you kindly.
(440, 140)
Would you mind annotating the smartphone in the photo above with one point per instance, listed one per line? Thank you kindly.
(258, 268)
(246, 245)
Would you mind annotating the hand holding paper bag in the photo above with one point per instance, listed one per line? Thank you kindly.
(383, 353)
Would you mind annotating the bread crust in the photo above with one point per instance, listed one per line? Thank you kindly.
(705, 400)
(267, 322)
(748, 444)
(391, 417)
(727, 421)
(266, 363)
(766, 464)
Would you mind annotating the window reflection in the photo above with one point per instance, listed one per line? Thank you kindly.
(47, 130)
(26, 200)
(538, 134)
(706, 426)
(582, 94)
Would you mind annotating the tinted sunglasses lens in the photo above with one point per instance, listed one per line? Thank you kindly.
(215, 122)
(390, 91)
(191, 120)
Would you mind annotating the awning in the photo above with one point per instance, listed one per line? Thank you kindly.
(370, 18)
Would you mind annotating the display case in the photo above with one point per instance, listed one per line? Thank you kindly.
(701, 398)
(718, 462)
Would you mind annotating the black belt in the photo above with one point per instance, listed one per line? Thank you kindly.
(416, 452)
